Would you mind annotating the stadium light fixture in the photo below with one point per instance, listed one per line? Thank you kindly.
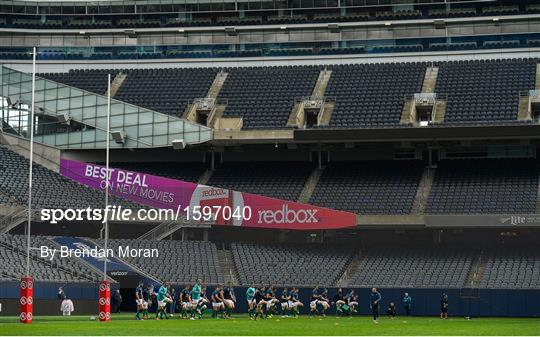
(118, 136)
(283, 27)
(178, 144)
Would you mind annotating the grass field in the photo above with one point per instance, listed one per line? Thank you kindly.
(124, 324)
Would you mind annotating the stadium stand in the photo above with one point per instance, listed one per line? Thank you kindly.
(413, 267)
(281, 264)
(377, 187)
(50, 189)
(512, 269)
(273, 179)
(90, 80)
(264, 96)
(187, 171)
(484, 91)
(13, 262)
(372, 95)
(180, 262)
(484, 186)
(166, 90)
(478, 92)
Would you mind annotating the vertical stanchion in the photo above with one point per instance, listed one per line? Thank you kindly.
(105, 285)
(27, 299)
(27, 283)
(104, 301)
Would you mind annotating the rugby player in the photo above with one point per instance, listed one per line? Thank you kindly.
(186, 305)
(217, 302)
(147, 300)
(352, 301)
(260, 302)
(271, 301)
(196, 299)
(229, 300)
(139, 300)
(250, 297)
(285, 300)
(338, 300)
(295, 303)
(313, 302)
(324, 302)
(163, 298)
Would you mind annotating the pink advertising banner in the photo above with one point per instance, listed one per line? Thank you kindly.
(230, 208)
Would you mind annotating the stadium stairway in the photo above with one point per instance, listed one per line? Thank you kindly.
(116, 83)
(424, 188)
(310, 185)
(123, 261)
(205, 177)
(350, 271)
(298, 116)
(476, 272)
(227, 266)
(47, 156)
(213, 117)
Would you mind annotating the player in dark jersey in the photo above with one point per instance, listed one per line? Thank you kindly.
(186, 304)
(324, 303)
(313, 302)
(229, 300)
(295, 303)
(284, 301)
(139, 300)
(146, 300)
(217, 302)
(351, 299)
(444, 306)
(338, 300)
(271, 301)
(260, 302)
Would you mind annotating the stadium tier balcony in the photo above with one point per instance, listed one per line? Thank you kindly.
(265, 96)
(512, 269)
(435, 267)
(477, 92)
(484, 91)
(13, 262)
(369, 187)
(180, 262)
(181, 171)
(476, 186)
(298, 265)
(49, 189)
(273, 179)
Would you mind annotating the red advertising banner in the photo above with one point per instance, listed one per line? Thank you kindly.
(104, 301)
(230, 208)
(27, 299)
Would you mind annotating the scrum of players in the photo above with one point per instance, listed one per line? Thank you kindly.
(262, 302)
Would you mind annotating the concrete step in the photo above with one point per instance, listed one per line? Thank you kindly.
(524, 111)
(430, 80)
(476, 272)
(216, 86)
(203, 180)
(422, 194)
(440, 111)
(310, 185)
(345, 279)
(407, 115)
(116, 83)
(227, 266)
(322, 83)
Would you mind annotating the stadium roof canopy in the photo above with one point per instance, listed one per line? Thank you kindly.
(85, 116)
